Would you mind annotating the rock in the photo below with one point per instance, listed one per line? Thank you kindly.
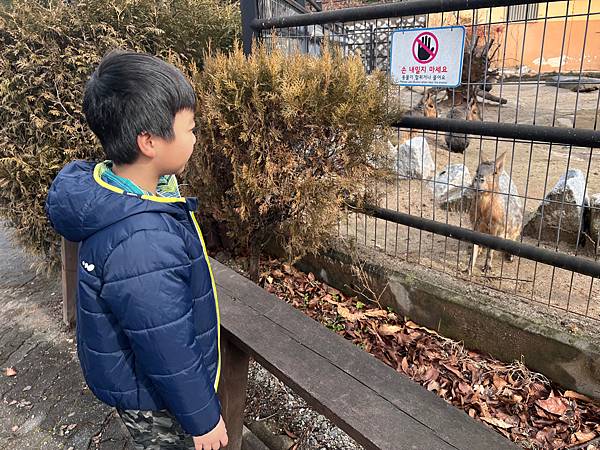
(567, 215)
(575, 83)
(564, 122)
(413, 158)
(595, 218)
(582, 84)
(451, 188)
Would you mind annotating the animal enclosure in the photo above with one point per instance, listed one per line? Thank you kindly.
(529, 91)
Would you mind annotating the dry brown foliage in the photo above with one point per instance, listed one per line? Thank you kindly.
(518, 403)
(283, 139)
(49, 49)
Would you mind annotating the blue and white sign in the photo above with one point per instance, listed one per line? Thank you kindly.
(428, 56)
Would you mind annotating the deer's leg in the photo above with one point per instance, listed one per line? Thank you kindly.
(473, 258)
(488, 261)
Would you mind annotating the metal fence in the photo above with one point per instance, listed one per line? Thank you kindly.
(546, 127)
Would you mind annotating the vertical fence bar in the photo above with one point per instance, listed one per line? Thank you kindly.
(69, 264)
(249, 9)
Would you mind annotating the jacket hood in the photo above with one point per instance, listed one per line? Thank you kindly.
(80, 203)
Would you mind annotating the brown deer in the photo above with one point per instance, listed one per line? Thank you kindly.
(427, 107)
(496, 207)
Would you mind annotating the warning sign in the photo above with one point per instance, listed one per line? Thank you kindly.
(428, 56)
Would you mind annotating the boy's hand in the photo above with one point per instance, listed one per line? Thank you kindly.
(214, 439)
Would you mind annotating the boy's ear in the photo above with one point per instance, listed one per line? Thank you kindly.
(500, 162)
(147, 145)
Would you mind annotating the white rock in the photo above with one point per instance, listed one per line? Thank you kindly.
(563, 207)
(450, 186)
(595, 217)
(413, 158)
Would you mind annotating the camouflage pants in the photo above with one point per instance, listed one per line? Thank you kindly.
(155, 430)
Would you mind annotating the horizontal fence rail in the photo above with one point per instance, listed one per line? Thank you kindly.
(576, 264)
(407, 8)
(579, 137)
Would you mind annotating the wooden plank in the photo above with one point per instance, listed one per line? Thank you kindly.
(447, 422)
(69, 266)
(370, 419)
(232, 391)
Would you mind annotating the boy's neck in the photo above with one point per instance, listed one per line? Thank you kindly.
(139, 172)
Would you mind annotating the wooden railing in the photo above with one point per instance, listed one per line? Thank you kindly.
(370, 401)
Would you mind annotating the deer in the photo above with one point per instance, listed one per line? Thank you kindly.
(496, 207)
(427, 107)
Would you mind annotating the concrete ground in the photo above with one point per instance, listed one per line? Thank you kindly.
(46, 404)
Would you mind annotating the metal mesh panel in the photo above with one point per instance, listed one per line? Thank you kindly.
(512, 58)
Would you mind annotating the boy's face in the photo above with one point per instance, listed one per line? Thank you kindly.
(172, 156)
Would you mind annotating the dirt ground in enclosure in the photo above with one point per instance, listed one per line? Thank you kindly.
(534, 168)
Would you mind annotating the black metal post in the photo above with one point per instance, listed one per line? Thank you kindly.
(580, 137)
(249, 9)
(398, 9)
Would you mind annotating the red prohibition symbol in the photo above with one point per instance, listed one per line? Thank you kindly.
(425, 47)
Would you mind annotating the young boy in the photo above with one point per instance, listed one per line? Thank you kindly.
(147, 312)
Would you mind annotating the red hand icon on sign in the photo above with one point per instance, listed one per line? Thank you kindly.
(425, 47)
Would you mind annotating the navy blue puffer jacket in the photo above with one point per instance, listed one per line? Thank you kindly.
(147, 311)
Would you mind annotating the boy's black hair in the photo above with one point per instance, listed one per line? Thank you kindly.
(131, 93)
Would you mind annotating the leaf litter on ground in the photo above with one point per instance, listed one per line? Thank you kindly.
(522, 405)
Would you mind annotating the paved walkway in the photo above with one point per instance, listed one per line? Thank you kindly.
(46, 405)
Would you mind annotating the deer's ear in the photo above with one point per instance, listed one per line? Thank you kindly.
(500, 162)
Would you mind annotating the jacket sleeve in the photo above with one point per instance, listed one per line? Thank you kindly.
(147, 285)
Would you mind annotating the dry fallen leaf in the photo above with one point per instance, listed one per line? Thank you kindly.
(531, 413)
(497, 422)
(499, 382)
(10, 372)
(389, 330)
(553, 405)
(431, 374)
(453, 370)
(584, 437)
(464, 388)
(290, 434)
(404, 364)
(329, 299)
(577, 396)
(346, 314)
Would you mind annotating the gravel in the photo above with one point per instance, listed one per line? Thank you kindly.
(270, 400)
